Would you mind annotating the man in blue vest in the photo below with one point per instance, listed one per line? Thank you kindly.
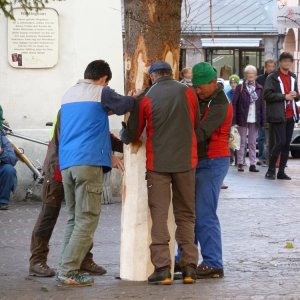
(84, 155)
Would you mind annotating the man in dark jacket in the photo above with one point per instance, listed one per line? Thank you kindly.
(281, 94)
(214, 156)
(8, 175)
(52, 197)
(170, 112)
(263, 140)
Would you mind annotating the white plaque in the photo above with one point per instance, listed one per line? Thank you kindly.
(33, 39)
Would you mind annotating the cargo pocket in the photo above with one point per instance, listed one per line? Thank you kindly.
(92, 201)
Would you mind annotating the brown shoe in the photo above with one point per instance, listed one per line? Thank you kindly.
(204, 272)
(41, 270)
(92, 268)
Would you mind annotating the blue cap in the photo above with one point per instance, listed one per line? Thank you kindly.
(159, 65)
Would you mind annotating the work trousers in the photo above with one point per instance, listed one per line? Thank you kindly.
(182, 185)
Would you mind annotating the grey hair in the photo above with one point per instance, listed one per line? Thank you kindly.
(250, 68)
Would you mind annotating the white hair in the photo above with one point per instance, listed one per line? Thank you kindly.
(250, 68)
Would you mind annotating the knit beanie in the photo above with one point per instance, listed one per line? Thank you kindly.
(203, 73)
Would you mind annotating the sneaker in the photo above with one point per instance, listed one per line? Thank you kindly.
(270, 175)
(189, 275)
(92, 268)
(253, 169)
(41, 270)
(204, 271)
(283, 176)
(161, 276)
(3, 207)
(240, 168)
(73, 279)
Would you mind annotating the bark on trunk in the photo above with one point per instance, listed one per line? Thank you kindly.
(152, 32)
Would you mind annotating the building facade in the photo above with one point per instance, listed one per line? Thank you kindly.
(229, 35)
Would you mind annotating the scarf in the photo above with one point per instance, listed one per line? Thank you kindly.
(251, 87)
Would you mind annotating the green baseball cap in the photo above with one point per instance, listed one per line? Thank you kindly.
(203, 73)
(235, 78)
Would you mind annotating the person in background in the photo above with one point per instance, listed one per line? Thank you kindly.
(170, 113)
(8, 174)
(213, 164)
(186, 74)
(84, 156)
(249, 115)
(52, 198)
(281, 93)
(234, 80)
(263, 139)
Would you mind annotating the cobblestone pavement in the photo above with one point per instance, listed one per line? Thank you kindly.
(258, 218)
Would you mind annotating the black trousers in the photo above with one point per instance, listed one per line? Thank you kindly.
(281, 136)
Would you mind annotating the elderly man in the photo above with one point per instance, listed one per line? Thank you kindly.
(8, 177)
(169, 110)
(213, 165)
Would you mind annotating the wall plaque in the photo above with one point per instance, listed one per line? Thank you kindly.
(33, 39)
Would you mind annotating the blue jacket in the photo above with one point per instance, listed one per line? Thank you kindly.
(7, 155)
(84, 135)
(230, 95)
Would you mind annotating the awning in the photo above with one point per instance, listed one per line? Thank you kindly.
(230, 43)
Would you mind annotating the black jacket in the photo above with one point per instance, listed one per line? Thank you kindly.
(261, 79)
(275, 98)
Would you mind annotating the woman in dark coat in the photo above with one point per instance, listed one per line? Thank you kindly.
(249, 115)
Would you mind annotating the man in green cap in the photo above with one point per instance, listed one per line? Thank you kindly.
(213, 165)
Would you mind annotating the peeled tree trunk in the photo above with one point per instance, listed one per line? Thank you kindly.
(152, 32)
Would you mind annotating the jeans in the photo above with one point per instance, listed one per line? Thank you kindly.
(281, 134)
(8, 182)
(83, 188)
(261, 141)
(210, 174)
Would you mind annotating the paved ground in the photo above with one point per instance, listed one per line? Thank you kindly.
(258, 218)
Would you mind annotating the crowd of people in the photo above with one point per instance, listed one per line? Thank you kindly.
(188, 126)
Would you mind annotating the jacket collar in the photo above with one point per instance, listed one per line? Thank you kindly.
(214, 95)
(164, 78)
(276, 74)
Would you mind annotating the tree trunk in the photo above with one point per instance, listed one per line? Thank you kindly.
(152, 32)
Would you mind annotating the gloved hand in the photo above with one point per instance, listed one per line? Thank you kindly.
(124, 134)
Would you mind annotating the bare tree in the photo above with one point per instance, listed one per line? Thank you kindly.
(152, 32)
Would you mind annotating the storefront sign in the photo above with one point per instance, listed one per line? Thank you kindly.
(33, 39)
(287, 17)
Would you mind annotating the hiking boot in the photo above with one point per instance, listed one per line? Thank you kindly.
(204, 272)
(41, 270)
(270, 175)
(253, 169)
(3, 207)
(73, 279)
(189, 274)
(240, 168)
(92, 268)
(283, 176)
(161, 276)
